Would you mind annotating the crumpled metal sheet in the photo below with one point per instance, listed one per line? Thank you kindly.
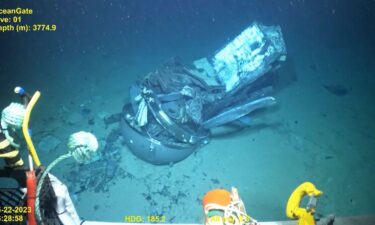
(249, 55)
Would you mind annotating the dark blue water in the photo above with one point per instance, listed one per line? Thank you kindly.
(323, 124)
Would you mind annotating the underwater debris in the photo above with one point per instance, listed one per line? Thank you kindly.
(91, 121)
(113, 135)
(336, 89)
(215, 181)
(147, 196)
(174, 108)
(177, 197)
(85, 111)
(150, 200)
(164, 191)
(125, 174)
(181, 194)
(174, 199)
(97, 176)
(114, 118)
(111, 168)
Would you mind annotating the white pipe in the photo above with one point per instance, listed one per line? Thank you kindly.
(31, 164)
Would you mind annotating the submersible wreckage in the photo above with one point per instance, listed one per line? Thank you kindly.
(173, 109)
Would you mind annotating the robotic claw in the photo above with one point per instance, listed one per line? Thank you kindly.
(173, 109)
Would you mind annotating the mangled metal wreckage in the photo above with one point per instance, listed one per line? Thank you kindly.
(173, 109)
